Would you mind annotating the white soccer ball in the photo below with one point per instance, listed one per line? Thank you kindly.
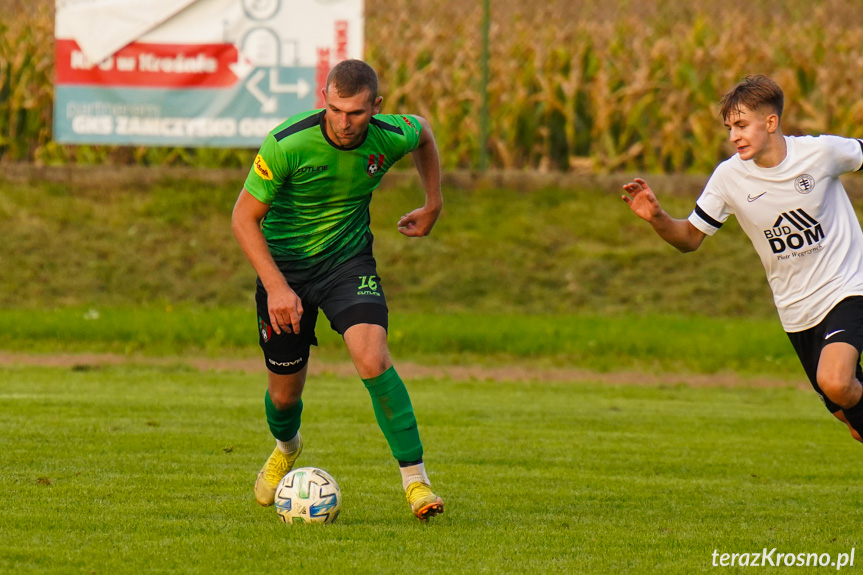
(308, 495)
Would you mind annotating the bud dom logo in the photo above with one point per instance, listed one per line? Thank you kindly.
(794, 229)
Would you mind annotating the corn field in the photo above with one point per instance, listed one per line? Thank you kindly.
(594, 86)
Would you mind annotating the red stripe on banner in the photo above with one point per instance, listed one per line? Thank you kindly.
(149, 65)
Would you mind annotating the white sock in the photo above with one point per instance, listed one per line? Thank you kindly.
(289, 446)
(414, 473)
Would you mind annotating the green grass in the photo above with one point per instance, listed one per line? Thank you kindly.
(147, 467)
(590, 342)
(97, 237)
(149, 470)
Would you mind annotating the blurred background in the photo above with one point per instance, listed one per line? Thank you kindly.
(580, 96)
(663, 412)
(573, 86)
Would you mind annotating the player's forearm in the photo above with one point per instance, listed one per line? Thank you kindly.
(434, 198)
(427, 162)
(429, 171)
(679, 233)
(254, 245)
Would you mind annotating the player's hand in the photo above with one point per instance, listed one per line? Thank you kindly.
(419, 222)
(285, 310)
(642, 200)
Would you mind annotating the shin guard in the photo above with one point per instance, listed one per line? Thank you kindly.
(395, 415)
(284, 423)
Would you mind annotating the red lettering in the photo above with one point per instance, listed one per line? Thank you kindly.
(321, 72)
(341, 40)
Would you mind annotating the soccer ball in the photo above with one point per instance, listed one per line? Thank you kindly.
(308, 495)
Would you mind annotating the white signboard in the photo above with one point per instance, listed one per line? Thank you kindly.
(216, 73)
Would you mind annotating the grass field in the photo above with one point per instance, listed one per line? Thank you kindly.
(120, 454)
(119, 238)
(149, 470)
(622, 408)
(653, 343)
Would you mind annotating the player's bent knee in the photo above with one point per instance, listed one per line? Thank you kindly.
(284, 399)
(369, 367)
(285, 390)
(840, 391)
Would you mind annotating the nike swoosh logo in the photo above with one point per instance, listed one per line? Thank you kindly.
(832, 333)
(751, 198)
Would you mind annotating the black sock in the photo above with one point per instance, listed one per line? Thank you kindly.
(854, 415)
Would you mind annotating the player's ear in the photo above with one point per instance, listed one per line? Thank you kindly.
(772, 123)
(376, 105)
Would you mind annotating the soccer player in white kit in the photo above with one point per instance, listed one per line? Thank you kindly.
(786, 195)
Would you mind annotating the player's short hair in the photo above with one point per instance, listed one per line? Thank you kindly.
(754, 92)
(351, 77)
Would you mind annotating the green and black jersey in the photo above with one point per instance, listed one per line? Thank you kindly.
(318, 192)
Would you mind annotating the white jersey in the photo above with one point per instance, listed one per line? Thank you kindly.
(800, 221)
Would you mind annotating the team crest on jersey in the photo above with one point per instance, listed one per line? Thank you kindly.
(262, 169)
(804, 183)
(265, 329)
(376, 162)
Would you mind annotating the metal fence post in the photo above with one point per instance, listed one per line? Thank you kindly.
(484, 113)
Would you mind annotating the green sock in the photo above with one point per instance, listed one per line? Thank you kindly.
(395, 415)
(284, 423)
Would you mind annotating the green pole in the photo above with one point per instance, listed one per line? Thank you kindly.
(484, 115)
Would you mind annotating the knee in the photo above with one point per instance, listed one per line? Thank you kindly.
(284, 399)
(372, 366)
(842, 391)
(285, 390)
(372, 362)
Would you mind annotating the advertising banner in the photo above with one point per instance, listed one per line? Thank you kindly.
(195, 73)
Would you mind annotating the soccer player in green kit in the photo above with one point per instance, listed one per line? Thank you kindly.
(302, 219)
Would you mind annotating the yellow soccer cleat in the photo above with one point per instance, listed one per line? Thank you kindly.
(423, 502)
(276, 467)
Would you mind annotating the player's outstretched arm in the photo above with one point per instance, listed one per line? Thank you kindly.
(420, 222)
(679, 233)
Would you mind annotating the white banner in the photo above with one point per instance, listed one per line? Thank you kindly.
(194, 72)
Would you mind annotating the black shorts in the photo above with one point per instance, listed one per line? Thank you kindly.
(844, 324)
(349, 294)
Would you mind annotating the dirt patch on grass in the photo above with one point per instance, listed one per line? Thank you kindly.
(410, 370)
